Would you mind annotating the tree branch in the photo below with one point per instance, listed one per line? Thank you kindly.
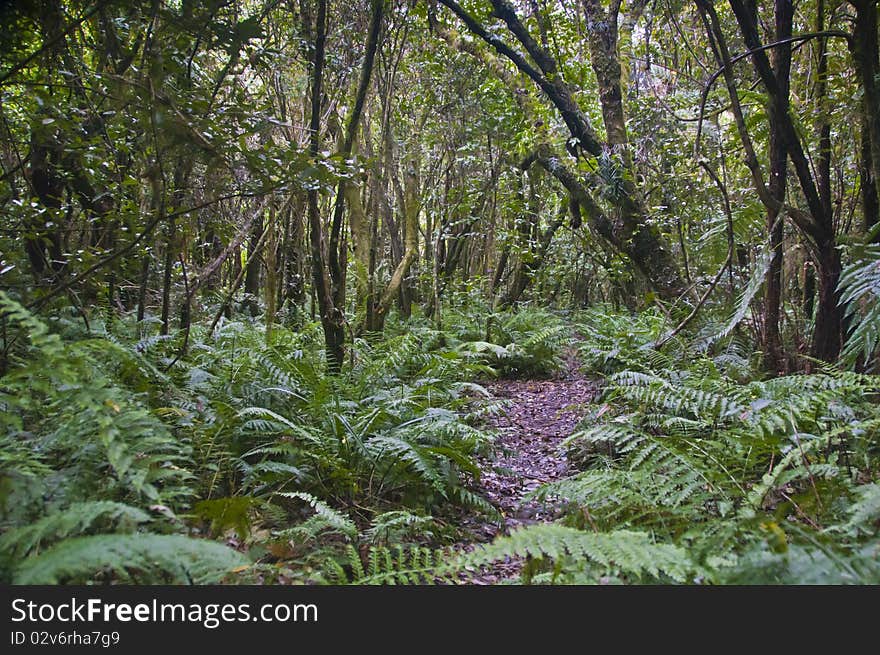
(559, 94)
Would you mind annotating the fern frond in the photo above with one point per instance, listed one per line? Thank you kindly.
(411, 565)
(756, 280)
(328, 516)
(392, 451)
(145, 558)
(397, 524)
(632, 553)
(76, 519)
(865, 512)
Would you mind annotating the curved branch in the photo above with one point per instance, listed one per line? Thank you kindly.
(556, 90)
(800, 39)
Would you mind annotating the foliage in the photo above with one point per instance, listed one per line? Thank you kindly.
(76, 519)
(612, 340)
(87, 457)
(860, 285)
(533, 340)
(180, 246)
(580, 556)
(414, 565)
(522, 343)
(758, 481)
(243, 437)
(143, 558)
(396, 428)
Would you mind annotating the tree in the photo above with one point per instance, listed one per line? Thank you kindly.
(628, 230)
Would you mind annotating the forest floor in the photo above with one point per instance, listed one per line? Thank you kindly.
(541, 414)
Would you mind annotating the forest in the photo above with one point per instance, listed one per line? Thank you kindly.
(439, 292)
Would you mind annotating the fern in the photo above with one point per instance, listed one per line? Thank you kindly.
(143, 558)
(225, 513)
(59, 402)
(748, 477)
(387, 566)
(527, 342)
(397, 525)
(865, 512)
(630, 553)
(756, 280)
(392, 451)
(860, 290)
(76, 519)
(325, 516)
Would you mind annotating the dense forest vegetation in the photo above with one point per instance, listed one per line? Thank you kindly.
(266, 267)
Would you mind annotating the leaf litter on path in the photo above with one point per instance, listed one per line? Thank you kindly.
(541, 414)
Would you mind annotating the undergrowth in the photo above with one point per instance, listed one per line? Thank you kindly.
(126, 459)
(527, 342)
(119, 449)
(748, 481)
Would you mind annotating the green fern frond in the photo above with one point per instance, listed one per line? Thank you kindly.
(631, 553)
(36, 331)
(397, 524)
(76, 519)
(467, 498)
(410, 565)
(392, 451)
(608, 494)
(620, 436)
(328, 516)
(756, 280)
(860, 292)
(864, 514)
(140, 558)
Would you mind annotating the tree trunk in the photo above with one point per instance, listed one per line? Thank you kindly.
(338, 245)
(294, 256)
(818, 226)
(527, 269)
(867, 182)
(359, 225)
(334, 335)
(866, 56)
(829, 314)
(167, 278)
(142, 287)
(172, 238)
(44, 247)
(254, 267)
(411, 241)
(632, 233)
(778, 157)
(271, 274)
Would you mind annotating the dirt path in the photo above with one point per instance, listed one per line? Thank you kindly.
(541, 415)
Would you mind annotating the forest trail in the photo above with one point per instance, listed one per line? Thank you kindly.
(542, 413)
